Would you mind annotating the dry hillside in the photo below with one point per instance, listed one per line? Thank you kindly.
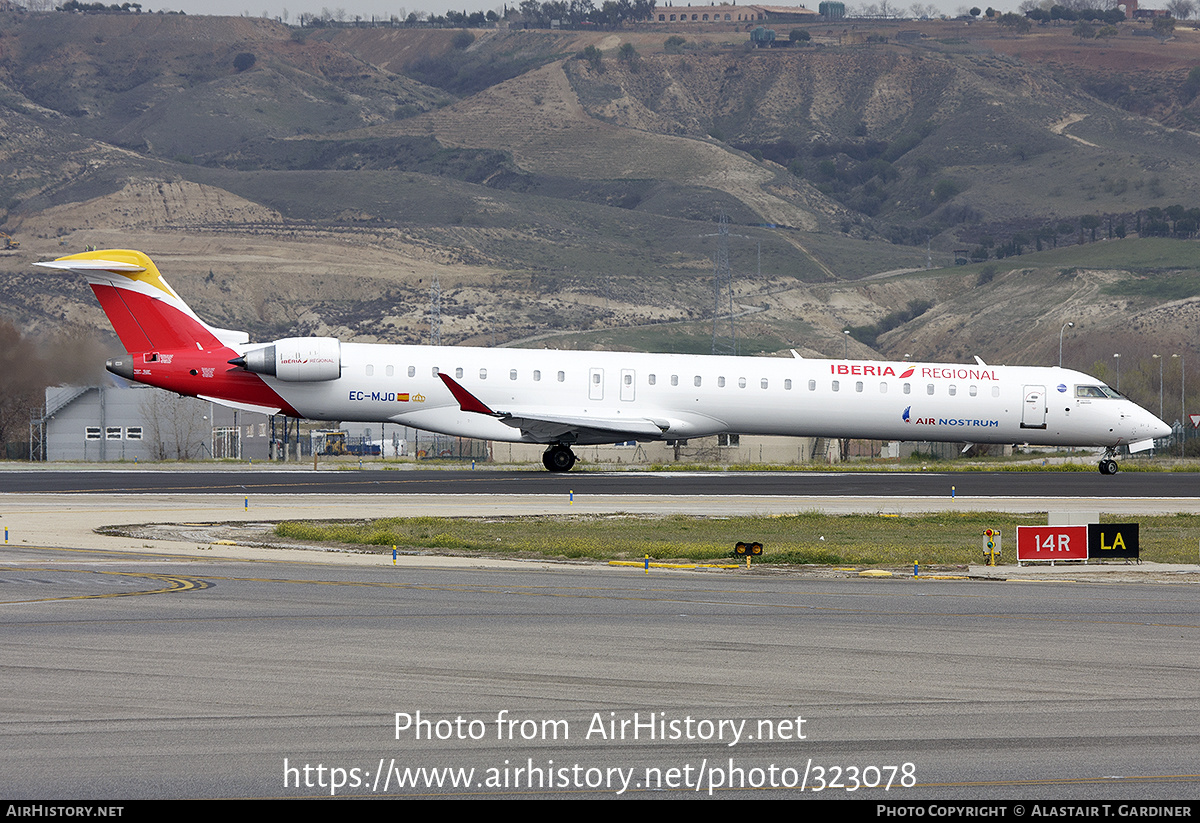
(315, 181)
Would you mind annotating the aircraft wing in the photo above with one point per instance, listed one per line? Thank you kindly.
(549, 427)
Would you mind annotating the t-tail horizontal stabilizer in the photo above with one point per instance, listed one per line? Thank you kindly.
(145, 312)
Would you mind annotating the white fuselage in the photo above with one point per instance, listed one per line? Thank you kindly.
(690, 396)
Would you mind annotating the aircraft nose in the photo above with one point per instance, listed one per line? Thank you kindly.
(1144, 425)
(1148, 422)
(1160, 429)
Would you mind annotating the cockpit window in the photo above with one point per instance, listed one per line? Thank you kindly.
(1096, 391)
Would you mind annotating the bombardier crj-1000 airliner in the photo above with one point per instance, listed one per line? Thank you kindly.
(568, 398)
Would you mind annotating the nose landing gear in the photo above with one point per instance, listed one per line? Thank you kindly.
(1107, 464)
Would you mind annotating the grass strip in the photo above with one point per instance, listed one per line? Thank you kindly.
(803, 538)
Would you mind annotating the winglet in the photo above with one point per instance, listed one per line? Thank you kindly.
(466, 401)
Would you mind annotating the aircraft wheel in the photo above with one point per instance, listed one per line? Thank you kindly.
(1108, 466)
(558, 459)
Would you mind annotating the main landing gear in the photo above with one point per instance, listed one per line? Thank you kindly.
(1107, 464)
(558, 458)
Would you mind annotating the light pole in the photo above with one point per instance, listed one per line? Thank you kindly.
(1117, 357)
(1160, 384)
(1067, 325)
(1182, 403)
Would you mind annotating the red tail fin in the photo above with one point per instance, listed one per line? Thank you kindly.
(144, 311)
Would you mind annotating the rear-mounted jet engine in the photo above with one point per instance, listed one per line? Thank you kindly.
(296, 359)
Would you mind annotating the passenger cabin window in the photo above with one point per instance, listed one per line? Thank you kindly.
(763, 383)
(696, 381)
(562, 375)
(837, 386)
(953, 390)
(674, 380)
(995, 391)
(651, 379)
(787, 384)
(812, 385)
(929, 389)
(370, 371)
(973, 390)
(721, 382)
(629, 380)
(412, 371)
(434, 371)
(512, 374)
(537, 375)
(458, 373)
(908, 388)
(390, 371)
(858, 387)
(883, 388)
(483, 374)
(741, 382)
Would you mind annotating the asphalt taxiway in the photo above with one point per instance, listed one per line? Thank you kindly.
(860, 484)
(146, 668)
